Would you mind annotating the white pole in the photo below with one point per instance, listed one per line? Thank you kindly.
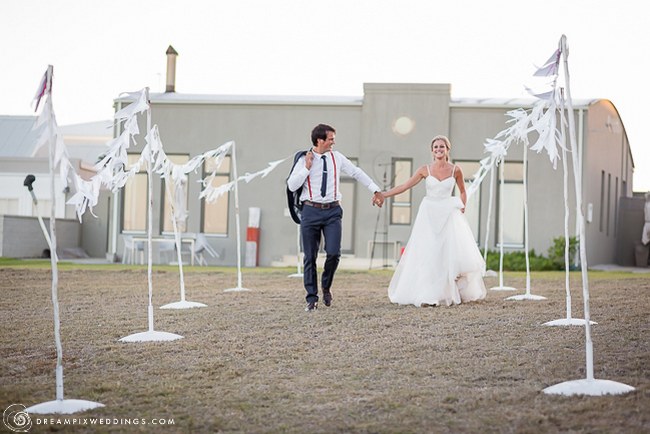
(501, 184)
(526, 218)
(177, 235)
(183, 303)
(60, 405)
(489, 214)
(579, 216)
(568, 321)
(53, 256)
(527, 295)
(501, 287)
(566, 207)
(151, 334)
(150, 217)
(588, 386)
(237, 225)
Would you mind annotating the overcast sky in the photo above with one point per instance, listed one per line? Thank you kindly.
(100, 48)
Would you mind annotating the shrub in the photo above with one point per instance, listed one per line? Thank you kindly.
(516, 261)
(556, 252)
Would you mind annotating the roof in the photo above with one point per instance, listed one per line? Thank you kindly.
(510, 102)
(84, 141)
(17, 137)
(185, 98)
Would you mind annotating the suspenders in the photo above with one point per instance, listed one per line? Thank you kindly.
(335, 176)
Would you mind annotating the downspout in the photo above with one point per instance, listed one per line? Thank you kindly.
(115, 209)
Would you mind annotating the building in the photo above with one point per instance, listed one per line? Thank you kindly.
(20, 234)
(387, 132)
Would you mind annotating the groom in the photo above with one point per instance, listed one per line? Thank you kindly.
(319, 172)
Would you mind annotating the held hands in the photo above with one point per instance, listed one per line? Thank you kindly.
(378, 199)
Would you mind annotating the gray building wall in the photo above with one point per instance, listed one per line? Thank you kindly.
(22, 237)
(606, 170)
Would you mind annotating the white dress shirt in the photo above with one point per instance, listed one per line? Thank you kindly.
(301, 176)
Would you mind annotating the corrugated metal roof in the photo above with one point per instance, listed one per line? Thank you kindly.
(182, 98)
(84, 141)
(17, 137)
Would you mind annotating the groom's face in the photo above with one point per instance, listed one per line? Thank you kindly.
(323, 146)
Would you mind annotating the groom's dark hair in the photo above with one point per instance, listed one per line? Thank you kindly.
(320, 132)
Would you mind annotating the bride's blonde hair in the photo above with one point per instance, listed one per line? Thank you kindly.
(446, 142)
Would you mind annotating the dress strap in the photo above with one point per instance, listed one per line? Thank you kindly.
(428, 170)
(453, 171)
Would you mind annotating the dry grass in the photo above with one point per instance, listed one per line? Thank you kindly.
(255, 362)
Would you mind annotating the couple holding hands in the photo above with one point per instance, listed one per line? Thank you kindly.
(441, 264)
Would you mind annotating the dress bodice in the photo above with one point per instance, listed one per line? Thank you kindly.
(439, 189)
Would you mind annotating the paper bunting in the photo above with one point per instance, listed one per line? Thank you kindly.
(550, 67)
(211, 193)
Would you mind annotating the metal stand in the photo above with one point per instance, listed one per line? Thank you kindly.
(384, 233)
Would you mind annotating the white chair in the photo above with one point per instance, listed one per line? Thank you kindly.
(168, 249)
(131, 248)
(202, 246)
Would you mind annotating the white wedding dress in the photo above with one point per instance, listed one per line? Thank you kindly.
(441, 264)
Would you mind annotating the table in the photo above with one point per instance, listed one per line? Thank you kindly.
(190, 239)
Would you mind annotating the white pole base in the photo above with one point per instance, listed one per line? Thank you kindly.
(568, 322)
(63, 406)
(183, 305)
(526, 297)
(503, 288)
(236, 289)
(589, 387)
(296, 275)
(151, 336)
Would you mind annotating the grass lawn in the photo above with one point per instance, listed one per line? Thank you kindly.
(256, 362)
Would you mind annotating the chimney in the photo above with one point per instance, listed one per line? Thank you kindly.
(171, 70)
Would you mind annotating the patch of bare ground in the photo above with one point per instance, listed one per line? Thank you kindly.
(256, 362)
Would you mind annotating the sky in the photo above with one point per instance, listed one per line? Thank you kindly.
(483, 48)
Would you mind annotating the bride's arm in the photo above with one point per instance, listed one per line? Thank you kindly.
(411, 182)
(460, 182)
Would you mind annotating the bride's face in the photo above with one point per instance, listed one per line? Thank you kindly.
(439, 150)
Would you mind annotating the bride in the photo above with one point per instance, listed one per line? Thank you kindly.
(441, 264)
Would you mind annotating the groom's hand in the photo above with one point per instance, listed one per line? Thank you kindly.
(378, 199)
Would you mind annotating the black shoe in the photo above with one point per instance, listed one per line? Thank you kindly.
(327, 298)
(311, 306)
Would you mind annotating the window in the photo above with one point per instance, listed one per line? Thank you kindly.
(135, 199)
(215, 214)
(178, 194)
(473, 205)
(513, 204)
(400, 207)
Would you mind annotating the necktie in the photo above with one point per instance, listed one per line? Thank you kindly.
(323, 184)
